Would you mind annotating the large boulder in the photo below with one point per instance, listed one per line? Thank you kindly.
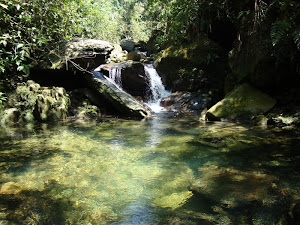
(110, 95)
(243, 102)
(79, 54)
(32, 102)
(201, 65)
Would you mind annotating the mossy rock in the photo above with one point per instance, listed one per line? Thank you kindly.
(243, 102)
(9, 116)
(35, 103)
(194, 66)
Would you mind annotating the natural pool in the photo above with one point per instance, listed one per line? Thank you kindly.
(163, 170)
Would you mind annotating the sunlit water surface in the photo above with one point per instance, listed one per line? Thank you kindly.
(163, 170)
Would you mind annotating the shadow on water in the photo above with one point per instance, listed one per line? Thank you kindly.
(245, 178)
(241, 174)
(164, 170)
(22, 206)
(24, 147)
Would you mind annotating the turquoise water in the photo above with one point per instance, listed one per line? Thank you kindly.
(163, 170)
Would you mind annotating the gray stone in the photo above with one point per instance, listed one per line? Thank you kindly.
(128, 45)
(123, 103)
(87, 54)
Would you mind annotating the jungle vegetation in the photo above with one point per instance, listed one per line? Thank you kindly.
(29, 29)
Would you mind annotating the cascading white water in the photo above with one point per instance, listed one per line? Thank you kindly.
(157, 90)
(156, 87)
(115, 76)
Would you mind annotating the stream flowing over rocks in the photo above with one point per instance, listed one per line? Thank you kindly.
(198, 84)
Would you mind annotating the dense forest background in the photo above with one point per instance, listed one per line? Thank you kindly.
(248, 30)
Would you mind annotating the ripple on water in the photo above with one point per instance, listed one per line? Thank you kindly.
(162, 170)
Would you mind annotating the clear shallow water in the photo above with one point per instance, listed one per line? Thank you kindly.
(164, 170)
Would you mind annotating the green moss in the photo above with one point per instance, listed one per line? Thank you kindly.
(244, 101)
(40, 103)
(188, 65)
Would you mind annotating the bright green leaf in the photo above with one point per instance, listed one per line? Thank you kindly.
(20, 68)
(20, 46)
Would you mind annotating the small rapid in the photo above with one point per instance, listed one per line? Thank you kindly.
(157, 90)
(115, 76)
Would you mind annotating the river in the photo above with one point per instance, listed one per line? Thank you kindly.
(163, 170)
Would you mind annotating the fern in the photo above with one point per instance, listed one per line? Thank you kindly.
(278, 30)
(296, 37)
(2, 97)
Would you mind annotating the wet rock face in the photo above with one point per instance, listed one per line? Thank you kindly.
(133, 77)
(34, 102)
(119, 101)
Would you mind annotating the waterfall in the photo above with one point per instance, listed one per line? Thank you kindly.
(156, 88)
(115, 75)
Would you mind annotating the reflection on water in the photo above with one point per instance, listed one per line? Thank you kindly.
(164, 170)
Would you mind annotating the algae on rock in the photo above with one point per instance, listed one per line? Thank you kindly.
(33, 102)
(243, 102)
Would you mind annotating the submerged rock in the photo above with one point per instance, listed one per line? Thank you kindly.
(296, 212)
(11, 188)
(243, 102)
(249, 193)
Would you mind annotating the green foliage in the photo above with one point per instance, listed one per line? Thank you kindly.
(184, 20)
(2, 97)
(30, 29)
(26, 32)
(296, 37)
(279, 30)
